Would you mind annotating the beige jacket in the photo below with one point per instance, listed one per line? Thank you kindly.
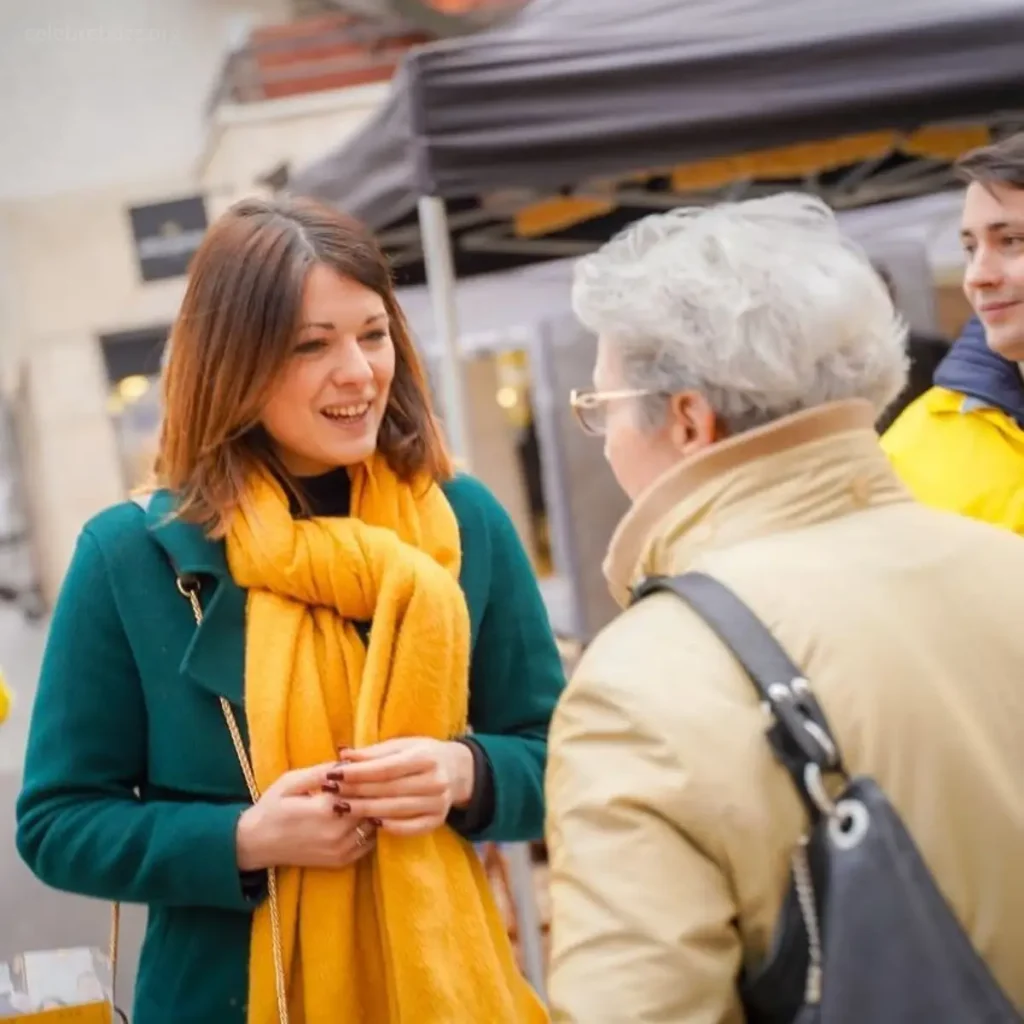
(671, 826)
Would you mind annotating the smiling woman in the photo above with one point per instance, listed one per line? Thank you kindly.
(289, 317)
(332, 396)
(366, 622)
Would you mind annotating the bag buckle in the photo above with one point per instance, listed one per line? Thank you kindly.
(801, 721)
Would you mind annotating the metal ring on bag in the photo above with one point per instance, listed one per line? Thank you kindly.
(823, 740)
(848, 820)
(363, 835)
(849, 825)
(815, 785)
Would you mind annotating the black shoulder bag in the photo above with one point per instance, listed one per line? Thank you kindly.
(865, 936)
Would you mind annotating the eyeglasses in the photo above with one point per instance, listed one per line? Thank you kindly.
(589, 406)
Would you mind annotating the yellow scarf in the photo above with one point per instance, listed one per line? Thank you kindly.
(411, 934)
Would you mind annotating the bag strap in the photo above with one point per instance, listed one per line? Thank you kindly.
(799, 736)
(188, 587)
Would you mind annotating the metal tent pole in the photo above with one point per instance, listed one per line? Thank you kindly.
(440, 268)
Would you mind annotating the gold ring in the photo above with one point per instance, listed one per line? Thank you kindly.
(362, 835)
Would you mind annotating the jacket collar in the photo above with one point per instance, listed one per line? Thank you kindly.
(189, 549)
(803, 469)
(974, 370)
(215, 657)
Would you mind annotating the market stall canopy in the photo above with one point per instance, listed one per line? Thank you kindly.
(574, 90)
(916, 239)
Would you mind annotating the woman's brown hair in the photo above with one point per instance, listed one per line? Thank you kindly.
(235, 330)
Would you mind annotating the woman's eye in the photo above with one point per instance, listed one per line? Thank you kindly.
(310, 345)
(375, 336)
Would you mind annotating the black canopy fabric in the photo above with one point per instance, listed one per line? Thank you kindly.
(370, 176)
(576, 89)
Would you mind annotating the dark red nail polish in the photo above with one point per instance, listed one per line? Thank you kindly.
(330, 787)
(336, 776)
(342, 809)
(376, 822)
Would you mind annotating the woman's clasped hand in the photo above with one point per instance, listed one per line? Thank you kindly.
(328, 815)
(407, 786)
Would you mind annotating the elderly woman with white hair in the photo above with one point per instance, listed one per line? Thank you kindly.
(744, 353)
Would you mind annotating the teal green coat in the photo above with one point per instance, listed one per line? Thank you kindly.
(132, 789)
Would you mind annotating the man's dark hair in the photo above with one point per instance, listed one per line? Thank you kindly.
(999, 163)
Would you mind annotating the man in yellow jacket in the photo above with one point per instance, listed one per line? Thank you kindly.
(960, 446)
(5, 699)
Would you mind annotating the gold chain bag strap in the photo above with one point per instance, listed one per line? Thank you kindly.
(189, 589)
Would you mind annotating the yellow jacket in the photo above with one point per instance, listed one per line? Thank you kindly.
(5, 699)
(956, 454)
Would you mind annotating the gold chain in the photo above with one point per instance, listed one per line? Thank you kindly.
(191, 592)
(115, 941)
(809, 911)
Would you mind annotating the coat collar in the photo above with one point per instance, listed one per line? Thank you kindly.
(984, 376)
(188, 547)
(215, 657)
(800, 470)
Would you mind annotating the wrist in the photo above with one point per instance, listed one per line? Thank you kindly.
(463, 774)
(250, 851)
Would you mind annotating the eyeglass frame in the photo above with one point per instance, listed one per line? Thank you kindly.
(583, 399)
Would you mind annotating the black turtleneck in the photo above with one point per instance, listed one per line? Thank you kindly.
(330, 495)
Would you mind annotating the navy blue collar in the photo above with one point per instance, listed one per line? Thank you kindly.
(974, 370)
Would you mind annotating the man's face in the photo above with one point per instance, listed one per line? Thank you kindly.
(992, 230)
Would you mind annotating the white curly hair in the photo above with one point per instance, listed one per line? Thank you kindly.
(763, 306)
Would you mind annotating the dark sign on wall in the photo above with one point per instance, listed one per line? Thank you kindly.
(167, 235)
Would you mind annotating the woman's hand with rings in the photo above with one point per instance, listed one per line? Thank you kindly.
(300, 821)
(407, 786)
(364, 833)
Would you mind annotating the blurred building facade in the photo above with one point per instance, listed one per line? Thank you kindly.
(135, 125)
(140, 121)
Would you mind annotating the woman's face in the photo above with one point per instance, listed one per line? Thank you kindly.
(638, 456)
(635, 455)
(328, 403)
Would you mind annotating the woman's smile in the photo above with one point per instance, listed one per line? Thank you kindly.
(353, 418)
(347, 413)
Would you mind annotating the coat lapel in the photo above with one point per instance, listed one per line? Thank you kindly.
(215, 657)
